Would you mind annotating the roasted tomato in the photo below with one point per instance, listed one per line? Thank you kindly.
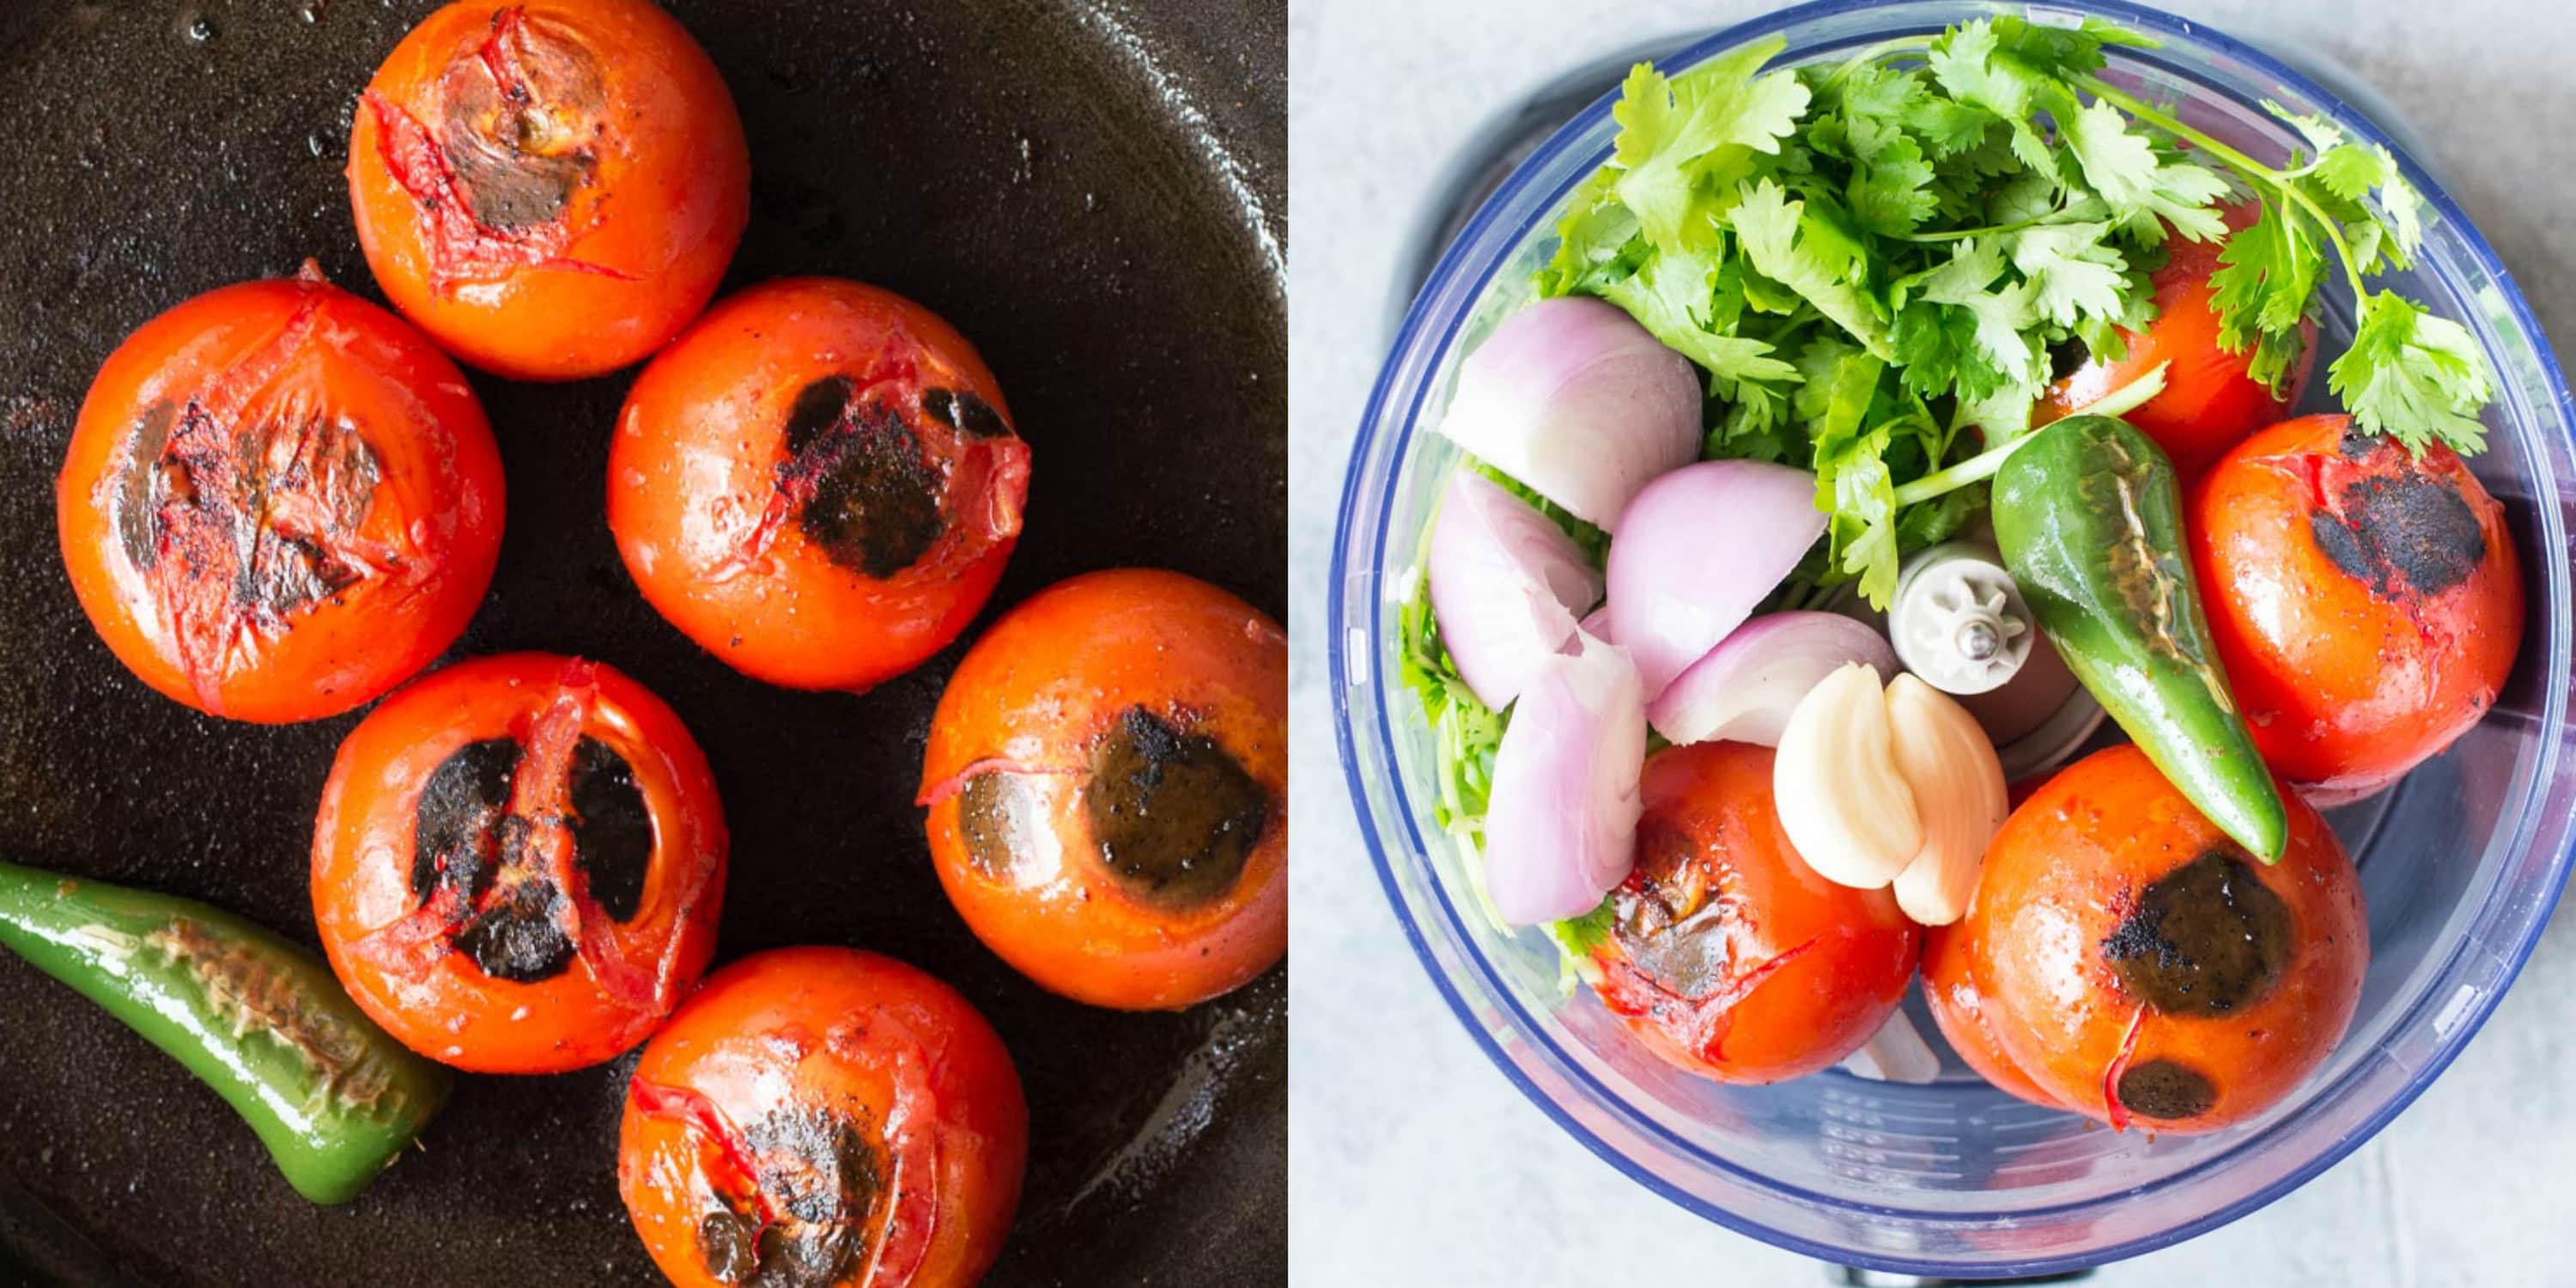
(1727, 953)
(552, 189)
(823, 1118)
(1958, 1004)
(1107, 778)
(2133, 963)
(280, 501)
(518, 864)
(819, 483)
(2366, 603)
(2209, 403)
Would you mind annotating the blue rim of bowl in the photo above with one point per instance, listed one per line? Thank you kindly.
(2535, 795)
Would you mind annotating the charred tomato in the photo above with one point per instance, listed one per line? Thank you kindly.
(823, 1118)
(280, 501)
(2136, 965)
(819, 483)
(2210, 402)
(2366, 601)
(1107, 780)
(1726, 953)
(518, 864)
(552, 189)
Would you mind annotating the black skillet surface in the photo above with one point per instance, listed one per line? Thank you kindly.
(1089, 189)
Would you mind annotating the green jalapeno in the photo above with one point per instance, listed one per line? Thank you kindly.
(257, 1018)
(2088, 514)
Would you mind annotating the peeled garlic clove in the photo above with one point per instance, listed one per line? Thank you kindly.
(1958, 784)
(1846, 807)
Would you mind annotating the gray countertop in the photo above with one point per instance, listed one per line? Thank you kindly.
(1412, 1160)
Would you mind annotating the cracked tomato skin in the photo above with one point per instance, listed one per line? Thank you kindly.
(2210, 403)
(1728, 955)
(2367, 604)
(1032, 776)
(405, 954)
(819, 483)
(551, 189)
(880, 1092)
(2138, 967)
(372, 469)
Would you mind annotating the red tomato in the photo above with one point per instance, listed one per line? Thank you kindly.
(823, 1116)
(518, 864)
(1728, 954)
(2367, 604)
(2209, 403)
(2133, 963)
(819, 483)
(280, 501)
(1107, 778)
(551, 188)
(1959, 1006)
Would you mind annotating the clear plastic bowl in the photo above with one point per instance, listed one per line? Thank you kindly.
(2461, 863)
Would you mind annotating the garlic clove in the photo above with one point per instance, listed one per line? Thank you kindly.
(1946, 759)
(1844, 804)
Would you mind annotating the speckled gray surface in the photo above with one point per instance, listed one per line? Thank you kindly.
(1412, 1161)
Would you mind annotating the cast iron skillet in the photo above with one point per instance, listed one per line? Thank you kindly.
(1089, 189)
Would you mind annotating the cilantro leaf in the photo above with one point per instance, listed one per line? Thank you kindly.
(2145, 189)
(1890, 188)
(1809, 257)
(2074, 275)
(1961, 329)
(1673, 297)
(1681, 139)
(2266, 279)
(2417, 378)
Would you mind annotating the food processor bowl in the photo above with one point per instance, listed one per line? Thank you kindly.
(2460, 863)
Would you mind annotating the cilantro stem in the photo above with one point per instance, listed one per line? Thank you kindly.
(1871, 54)
(2243, 164)
(1982, 466)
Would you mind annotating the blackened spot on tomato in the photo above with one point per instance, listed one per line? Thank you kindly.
(455, 832)
(875, 504)
(729, 1244)
(961, 410)
(516, 936)
(1669, 919)
(518, 122)
(2401, 533)
(134, 507)
(998, 814)
(2167, 1089)
(612, 834)
(2066, 357)
(2206, 939)
(257, 520)
(822, 1180)
(817, 413)
(1175, 816)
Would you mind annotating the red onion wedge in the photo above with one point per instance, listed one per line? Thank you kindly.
(1744, 690)
(1696, 551)
(1573, 398)
(1562, 829)
(1505, 585)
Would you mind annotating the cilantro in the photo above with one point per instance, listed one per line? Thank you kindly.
(2412, 376)
(1680, 141)
(2416, 378)
(1810, 258)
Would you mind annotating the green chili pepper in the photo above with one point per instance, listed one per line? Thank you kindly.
(259, 1019)
(2089, 517)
